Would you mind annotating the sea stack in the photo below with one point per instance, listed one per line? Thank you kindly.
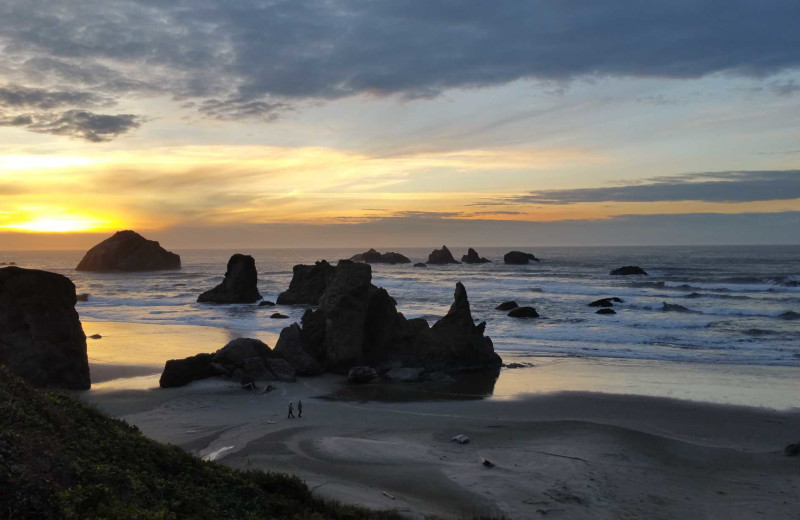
(472, 258)
(240, 284)
(41, 338)
(128, 251)
(519, 258)
(307, 285)
(442, 256)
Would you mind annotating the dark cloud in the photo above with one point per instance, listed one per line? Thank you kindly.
(16, 96)
(246, 58)
(80, 124)
(733, 186)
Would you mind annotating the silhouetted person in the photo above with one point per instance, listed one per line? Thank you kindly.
(299, 408)
(291, 411)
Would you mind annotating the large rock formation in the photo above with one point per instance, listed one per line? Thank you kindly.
(293, 349)
(41, 338)
(374, 257)
(442, 256)
(357, 324)
(128, 251)
(518, 258)
(472, 258)
(240, 284)
(241, 358)
(628, 270)
(307, 285)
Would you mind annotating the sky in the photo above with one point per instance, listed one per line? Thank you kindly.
(211, 123)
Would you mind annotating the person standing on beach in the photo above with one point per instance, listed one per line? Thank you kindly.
(291, 411)
(299, 408)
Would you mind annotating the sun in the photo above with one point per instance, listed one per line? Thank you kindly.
(57, 225)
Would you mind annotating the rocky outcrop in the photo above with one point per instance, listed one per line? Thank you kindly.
(361, 375)
(442, 256)
(291, 347)
(523, 312)
(278, 316)
(374, 257)
(507, 306)
(472, 258)
(128, 251)
(41, 338)
(266, 303)
(357, 324)
(673, 307)
(240, 358)
(606, 302)
(628, 270)
(606, 311)
(518, 258)
(240, 284)
(307, 285)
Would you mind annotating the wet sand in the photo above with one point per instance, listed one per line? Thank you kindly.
(580, 455)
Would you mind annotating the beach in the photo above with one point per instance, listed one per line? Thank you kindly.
(627, 449)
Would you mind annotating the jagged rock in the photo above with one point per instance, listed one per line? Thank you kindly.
(241, 357)
(290, 347)
(606, 302)
(180, 372)
(307, 285)
(606, 311)
(460, 438)
(82, 297)
(128, 251)
(472, 257)
(672, 307)
(507, 306)
(523, 312)
(374, 257)
(420, 264)
(628, 270)
(442, 256)
(266, 303)
(360, 375)
(41, 338)
(518, 258)
(278, 316)
(240, 284)
(405, 374)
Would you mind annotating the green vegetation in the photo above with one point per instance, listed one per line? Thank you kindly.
(61, 459)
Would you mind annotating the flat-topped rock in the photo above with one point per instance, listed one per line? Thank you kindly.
(442, 256)
(628, 270)
(374, 257)
(519, 258)
(472, 258)
(240, 284)
(41, 338)
(307, 285)
(128, 251)
(507, 306)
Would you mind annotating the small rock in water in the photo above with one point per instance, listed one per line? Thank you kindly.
(460, 438)
(420, 264)
(278, 316)
(266, 303)
(95, 336)
(507, 306)
(603, 302)
(672, 307)
(792, 450)
(606, 311)
(523, 312)
(518, 365)
(82, 297)
(628, 270)
(488, 463)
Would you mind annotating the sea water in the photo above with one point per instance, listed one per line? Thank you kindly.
(743, 308)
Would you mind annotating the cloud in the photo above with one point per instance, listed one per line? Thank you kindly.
(252, 58)
(80, 124)
(25, 97)
(731, 186)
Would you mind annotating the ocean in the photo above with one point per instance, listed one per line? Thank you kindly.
(742, 310)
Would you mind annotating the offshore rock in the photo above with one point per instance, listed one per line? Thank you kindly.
(628, 270)
(240, 284)
(41, 338)
(507, 306)
(442, 256)
(523, 312)
(472, 258)
(374, 257)
(128, 251)
(307, 285)
(519, 258)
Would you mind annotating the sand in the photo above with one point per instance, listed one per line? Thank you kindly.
(559, 455)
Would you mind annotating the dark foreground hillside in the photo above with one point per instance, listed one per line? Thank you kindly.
(62, 459)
